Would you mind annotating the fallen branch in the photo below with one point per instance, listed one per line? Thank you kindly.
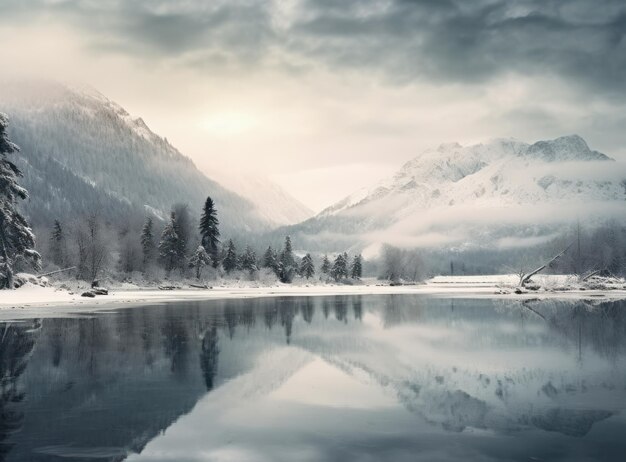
(589, 275)
(526, 278)
(55, 272)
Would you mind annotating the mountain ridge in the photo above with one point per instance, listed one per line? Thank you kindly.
(454, 194)
(80, 151)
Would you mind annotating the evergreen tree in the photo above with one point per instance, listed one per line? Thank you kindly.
(269, 259)
(248, 260)
(230, 259)
(325, 268)
(307, 268)
(16, 238)
(286, 263)
(58, 245)
(340, 267)
(209, 230)
(182, 226)
(286, 256)
(356, 270)
(168, 247)
(147, 242)
(199, 260)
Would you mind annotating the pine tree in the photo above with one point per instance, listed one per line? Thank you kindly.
(182, 226)
(307, 268)
(230, 259)
(248, 260)
(340, 267)
(287, 257)
(168, 247)
(199, 260)
(269, 259)
(16, 238)
(209, 230)
(147, 242)
(286, 263)
(325, 268)
(58, 245)
(356, 271)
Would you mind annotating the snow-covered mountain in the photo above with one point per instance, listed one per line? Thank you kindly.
(482, 194)
(81, 151)
(272, 202)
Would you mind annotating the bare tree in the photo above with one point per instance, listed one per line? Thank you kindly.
(402, 264)
(93, 250)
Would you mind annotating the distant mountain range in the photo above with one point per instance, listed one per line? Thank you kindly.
(82, 152)
(501, 193)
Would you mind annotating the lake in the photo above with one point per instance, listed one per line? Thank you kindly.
(363, 378)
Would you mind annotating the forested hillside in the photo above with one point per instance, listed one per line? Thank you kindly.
(82, 153)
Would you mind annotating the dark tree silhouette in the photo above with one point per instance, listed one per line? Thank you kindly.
(16, 238)
(147, 243)
(58, 245)
(209, 230)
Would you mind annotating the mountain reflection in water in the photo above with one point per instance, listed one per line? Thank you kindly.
(393, 377)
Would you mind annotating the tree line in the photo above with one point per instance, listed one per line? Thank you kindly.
(179, 250)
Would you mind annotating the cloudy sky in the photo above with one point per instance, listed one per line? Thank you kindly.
(326, 96)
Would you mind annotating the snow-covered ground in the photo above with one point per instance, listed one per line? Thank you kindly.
(35, 300)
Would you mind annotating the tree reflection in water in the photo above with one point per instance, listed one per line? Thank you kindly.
(119, 379)
(16, 345)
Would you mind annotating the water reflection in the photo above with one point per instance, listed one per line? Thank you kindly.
(338, 378)
(16, 345)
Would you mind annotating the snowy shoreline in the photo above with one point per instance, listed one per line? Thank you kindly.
(35, 301)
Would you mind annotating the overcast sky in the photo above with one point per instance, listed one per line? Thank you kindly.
(326, 96)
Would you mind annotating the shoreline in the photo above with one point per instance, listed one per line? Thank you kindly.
(35, 301)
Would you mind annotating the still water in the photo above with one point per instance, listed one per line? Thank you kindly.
(364, 378)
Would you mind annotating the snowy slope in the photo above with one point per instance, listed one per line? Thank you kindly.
(505, 171)
(272, 203)
(81, 151)
(457, 194)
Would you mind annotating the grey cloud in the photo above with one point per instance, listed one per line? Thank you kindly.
(582, 42)
(456, 43)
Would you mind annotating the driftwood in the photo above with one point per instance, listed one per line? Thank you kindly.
(167, 287)
(199, 286)
(93, 292)
(526, 278)
(589, 275)
(55, 272)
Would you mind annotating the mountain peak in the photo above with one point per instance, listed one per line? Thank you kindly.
(564, 148)
(444, 147)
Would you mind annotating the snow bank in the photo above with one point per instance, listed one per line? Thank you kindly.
(31, 300)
